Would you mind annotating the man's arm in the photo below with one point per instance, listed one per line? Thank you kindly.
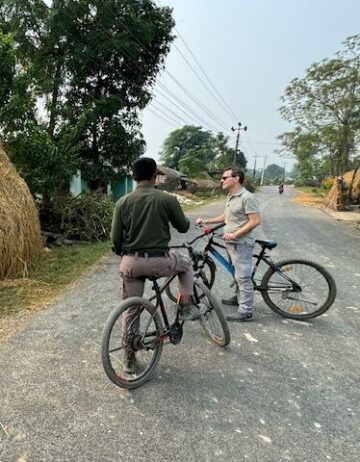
(253, 222)
(218, 219)
(117, 231)
(177, 217)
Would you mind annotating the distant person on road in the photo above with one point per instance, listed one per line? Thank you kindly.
(241, 216)
(281, 187)
(141, 233)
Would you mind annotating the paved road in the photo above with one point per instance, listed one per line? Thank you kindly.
(282, 391)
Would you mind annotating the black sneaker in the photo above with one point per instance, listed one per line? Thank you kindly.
(232, 301)
(189, 312)
(130, 363)
(240, 317)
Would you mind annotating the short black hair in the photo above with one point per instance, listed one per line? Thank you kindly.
(235, 171)
(144, 169)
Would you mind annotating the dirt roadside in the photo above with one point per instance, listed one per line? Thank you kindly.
(351, 216)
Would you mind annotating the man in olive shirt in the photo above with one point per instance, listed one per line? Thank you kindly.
(241, 216)
(141, 233)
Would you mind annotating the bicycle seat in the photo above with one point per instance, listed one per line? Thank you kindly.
(269, 244)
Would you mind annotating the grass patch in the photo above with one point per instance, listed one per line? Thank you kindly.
(53, 271)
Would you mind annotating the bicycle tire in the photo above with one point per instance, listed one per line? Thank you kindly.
(213, 314)
(314, 280)
(113, 335)
(207, 275)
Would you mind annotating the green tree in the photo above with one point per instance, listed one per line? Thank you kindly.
(224, 154)
(90, 67)
(7, 69)
(274, 172)
(193, 164)
(210, 152)
(182, 140)
(325, 104)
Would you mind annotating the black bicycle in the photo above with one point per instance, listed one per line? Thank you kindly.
(139, 327)
(294, 288)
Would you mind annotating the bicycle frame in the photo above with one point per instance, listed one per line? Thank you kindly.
(261, 256)
(160, 303)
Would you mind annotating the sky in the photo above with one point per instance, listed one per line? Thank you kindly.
(250, 50)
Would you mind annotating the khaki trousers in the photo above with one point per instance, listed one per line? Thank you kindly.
(134, 270)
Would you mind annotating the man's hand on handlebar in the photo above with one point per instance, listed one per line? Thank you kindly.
(200, 221)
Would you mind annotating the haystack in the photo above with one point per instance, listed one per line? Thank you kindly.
(20, 238)
(349, 176)
(335, 197)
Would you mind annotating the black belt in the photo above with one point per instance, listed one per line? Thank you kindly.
(148, 253)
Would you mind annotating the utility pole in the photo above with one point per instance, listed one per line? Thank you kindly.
(237, 139)
(284, 173)
(254, 166)
(263, 172)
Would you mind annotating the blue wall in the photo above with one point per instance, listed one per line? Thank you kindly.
(122, 187)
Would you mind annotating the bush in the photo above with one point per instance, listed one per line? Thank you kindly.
(250, 184)
(327, 182)
(86, 217)
(305, 181)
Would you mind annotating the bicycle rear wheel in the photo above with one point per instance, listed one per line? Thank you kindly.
(207, 274)
(298, 289)
(132, 330)
(212, 320)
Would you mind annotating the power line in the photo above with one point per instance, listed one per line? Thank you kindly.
(193, 113)
(163, 117)
(201, 80)
(203, 107)
(169, 110)
(223, 103)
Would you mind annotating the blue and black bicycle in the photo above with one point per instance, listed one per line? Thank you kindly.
(294, 288)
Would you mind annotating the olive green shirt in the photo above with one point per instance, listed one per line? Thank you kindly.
(141, 220)
(236, 209)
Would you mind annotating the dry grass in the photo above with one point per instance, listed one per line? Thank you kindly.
(310, 198)
(20, 239)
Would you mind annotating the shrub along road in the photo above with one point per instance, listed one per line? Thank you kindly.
(283, 390)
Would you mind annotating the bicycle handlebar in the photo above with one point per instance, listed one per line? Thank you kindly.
(207, 230)
(210, 230)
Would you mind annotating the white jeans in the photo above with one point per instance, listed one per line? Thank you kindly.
(241, 258)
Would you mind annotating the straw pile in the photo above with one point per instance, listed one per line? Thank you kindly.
(20, 238)
(335, 197)
(348, 177)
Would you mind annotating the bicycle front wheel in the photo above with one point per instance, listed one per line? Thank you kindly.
(131, 343)
(212, 319)
(298, 289)
(207, 275)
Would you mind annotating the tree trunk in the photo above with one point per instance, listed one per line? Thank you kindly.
(352, 181)
(55, 96)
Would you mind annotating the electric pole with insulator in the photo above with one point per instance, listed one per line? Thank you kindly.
(239, 127)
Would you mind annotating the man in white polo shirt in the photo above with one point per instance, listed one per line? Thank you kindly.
(241, 216)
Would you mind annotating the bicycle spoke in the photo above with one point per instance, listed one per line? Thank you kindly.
(300, 289)
(212, 319)
(131, 344)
